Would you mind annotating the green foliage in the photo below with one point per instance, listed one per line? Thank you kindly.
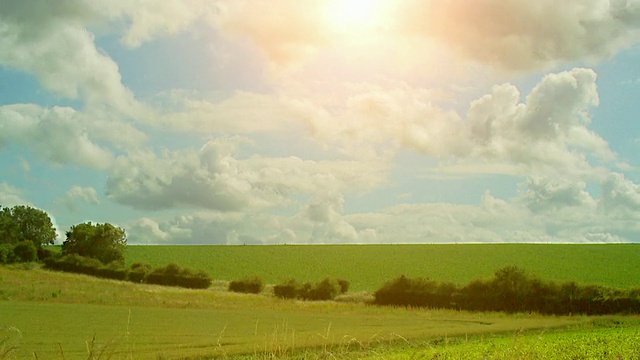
(326, 289)
(249, 285)
(25, 251)
(21, 223)
(174, 275)
(510, 290)
(104, 242)
(6, 254)
(46, 252)
(138, 272)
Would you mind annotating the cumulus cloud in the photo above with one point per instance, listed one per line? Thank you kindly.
(64, 135)
(11, 196)
(214, 178)
(77, 195)
(524, 35)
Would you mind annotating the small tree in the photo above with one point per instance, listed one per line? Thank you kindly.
(21, 223)
(104, 242)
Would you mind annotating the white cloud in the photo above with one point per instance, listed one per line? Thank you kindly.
(213, 178)
(63, 135)
(523, 35)
(11, 196)
(79, 194)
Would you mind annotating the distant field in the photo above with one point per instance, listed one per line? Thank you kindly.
(367, 267)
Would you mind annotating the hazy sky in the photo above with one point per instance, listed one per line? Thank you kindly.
(325, 121)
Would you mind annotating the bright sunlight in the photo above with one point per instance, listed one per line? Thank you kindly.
(355, 16)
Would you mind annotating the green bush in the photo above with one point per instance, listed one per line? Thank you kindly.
(326, 289)
(25, 251)
(510, 290)
(6, 254)
(46, 253)
(287, 290)
(250, 285)
(138, 272)
(174, 275)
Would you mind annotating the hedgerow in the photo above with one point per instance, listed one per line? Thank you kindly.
(326, 289)
(170, 275)
(249, 285)
(512, 290)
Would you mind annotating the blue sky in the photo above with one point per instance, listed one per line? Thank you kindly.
(269, 122)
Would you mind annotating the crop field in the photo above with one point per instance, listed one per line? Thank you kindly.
(66, 316)
(367, 267)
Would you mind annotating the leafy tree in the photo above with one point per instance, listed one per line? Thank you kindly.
(21, 223)
(104, 242)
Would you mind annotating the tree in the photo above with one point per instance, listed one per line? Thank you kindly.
(104, 242)
(21, 223)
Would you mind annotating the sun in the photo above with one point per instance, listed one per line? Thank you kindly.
(353, 16)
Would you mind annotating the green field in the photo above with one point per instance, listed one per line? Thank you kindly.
(367, 267)
(51, 315)
(67, 316)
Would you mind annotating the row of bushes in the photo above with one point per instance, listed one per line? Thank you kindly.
(25, 251)
(326, 289)
(170, 275)
(511, 289)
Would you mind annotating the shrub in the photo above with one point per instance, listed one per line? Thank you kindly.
(25, 251)
(6, 254)
(287, 290)
(326, 289)
(113, 271)
(46, 253)
(174, 275)
(251, 285)
(138, 272)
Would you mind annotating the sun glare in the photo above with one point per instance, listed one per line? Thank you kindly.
(350, 16)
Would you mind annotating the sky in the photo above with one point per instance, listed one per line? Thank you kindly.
(325, 121)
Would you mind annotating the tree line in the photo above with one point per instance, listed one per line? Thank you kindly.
(512, 290)
(25, 231)
(91, 249)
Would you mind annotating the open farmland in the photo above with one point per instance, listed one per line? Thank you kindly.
(68, 316)
(367, 267)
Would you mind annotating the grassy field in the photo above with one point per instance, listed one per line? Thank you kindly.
(368, 267)
(66, 316)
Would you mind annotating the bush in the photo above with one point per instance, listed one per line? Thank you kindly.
(6, 254)
(287, 290)
(138, 272)
(326, 289)
(46, 253)
(250, 285)
(112, 271)
(174, 275)
(25, 251)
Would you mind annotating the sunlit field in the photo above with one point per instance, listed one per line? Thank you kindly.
(69, 316)
(368, 267)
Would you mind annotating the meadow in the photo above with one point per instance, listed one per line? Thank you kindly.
(369, 267)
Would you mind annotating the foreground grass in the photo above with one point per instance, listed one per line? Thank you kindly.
(67, 316)
(367, 267)
(595, 343)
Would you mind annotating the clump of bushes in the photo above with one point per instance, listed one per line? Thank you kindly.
(512, 290)
(326, 289)
(174, 275)
(24, 251)
(170, 275)
(248, 285)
